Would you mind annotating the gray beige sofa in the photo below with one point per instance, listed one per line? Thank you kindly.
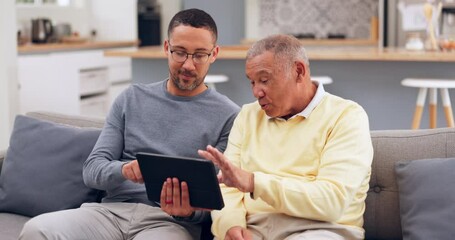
(382, 214)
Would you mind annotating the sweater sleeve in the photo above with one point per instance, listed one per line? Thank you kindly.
(103, 168)
(223, 139)
(234, 211)
(344, 165)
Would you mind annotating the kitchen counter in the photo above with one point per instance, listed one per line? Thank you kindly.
(60, 47)
(314, 53)
(367, 75)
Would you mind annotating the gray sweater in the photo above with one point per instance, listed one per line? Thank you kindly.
(146, 118)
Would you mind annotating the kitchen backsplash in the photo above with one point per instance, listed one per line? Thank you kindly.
(321, 18)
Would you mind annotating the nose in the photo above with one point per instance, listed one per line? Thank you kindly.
(189, 64)
(258, 92)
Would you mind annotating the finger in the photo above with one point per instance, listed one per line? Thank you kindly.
(210, 157)
(131, 175)
(176, 192)
(185, 195)
(217, 156)
(207, 155)
(126, 171)
(220, 177)
(247, 234)
(163, 195)
(169, 200)
(137, 172)
(237, 235)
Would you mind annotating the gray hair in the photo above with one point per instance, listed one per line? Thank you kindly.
(286, 49)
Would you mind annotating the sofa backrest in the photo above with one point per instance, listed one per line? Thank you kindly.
(382, 214)
(77, 121)
(72, 120)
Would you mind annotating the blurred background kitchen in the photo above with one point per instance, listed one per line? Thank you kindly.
(53, 51)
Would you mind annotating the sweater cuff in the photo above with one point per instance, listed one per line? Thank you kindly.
(226, 222)
(259, 179)
(117, 171)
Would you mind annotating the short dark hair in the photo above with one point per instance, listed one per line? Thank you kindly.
(195, 18)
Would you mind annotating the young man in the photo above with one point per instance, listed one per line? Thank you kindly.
(177, 116)
(298, 161)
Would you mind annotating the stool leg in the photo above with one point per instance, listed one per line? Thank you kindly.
(447, 106)
(419, 108)
(433, 107)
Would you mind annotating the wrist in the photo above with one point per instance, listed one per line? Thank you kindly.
(183, 218)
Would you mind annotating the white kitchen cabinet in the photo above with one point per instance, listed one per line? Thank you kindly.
(70, 82)
(93, 81)
(96, 105)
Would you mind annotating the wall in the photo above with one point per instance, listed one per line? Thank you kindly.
(351, 18)
(8, 81)
(228, 15)
(114, 20)
(168, 9)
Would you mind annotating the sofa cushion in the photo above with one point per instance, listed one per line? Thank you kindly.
(42, 171)
(427, 198)
(382, 213)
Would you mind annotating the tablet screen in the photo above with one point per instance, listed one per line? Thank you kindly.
(200, 175)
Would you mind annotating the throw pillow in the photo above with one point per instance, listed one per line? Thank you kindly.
(427, 198)
(42, 171)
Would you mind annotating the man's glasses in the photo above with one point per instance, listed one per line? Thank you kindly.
(182, 56)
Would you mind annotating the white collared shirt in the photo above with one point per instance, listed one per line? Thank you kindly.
(320, 92)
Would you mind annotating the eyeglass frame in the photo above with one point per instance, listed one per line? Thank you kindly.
(192, 54)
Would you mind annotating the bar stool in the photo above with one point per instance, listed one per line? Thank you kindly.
(433, 84)
(211, 79)
(322, 79)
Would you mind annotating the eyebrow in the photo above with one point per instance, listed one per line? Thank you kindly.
(197, 49)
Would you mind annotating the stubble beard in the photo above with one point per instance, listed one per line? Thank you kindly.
(185, 87)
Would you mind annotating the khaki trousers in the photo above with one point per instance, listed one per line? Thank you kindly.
(272, 226)
(113, 221)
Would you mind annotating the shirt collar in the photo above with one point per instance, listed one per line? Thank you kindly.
(320, 92)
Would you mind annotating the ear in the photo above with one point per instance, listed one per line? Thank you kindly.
(300, 68)
(166, 47)
(214, 55)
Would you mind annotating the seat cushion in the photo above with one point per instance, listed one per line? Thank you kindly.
(427, 198)
(11, 225)
(42, 171)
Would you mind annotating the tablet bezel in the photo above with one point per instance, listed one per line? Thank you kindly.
(200, 175)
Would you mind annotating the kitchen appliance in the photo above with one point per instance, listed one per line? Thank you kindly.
(447, 20)
(148, 23)
(61, 30)
(41, 30)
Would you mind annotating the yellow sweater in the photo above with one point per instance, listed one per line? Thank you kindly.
(316, 168)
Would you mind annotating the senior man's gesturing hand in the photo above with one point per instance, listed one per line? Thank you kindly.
(230, 175)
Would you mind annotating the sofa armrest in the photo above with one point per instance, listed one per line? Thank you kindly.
(2, 157)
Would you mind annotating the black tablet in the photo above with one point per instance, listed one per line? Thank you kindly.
(200, 175)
